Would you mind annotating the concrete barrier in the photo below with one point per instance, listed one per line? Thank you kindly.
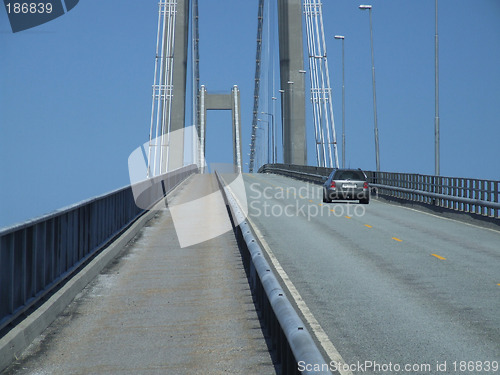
(290, 336)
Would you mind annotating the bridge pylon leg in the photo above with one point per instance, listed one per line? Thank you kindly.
(176, 155)
(292, 79)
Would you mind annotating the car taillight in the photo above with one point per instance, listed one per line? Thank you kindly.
(333, 184)
(365, 185)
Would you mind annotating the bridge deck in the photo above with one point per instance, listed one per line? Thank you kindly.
(160, 309)
(385, 283)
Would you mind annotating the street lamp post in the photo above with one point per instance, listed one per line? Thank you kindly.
(268, 139)
(436, 119)
(272, 134)
(282, 100)
(377, 154)
(275, 135)
(341, 37)
(288, 152)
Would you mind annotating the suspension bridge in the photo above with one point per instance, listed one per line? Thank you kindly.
(192, 269)
(169, 89)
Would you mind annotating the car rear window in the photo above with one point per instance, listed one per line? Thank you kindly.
(349, 175)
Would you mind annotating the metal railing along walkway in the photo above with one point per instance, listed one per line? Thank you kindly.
(159, 307)
(37, 256)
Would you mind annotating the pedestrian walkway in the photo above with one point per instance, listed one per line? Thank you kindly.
(160, 309)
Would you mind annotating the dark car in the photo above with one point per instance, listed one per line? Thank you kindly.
(346, 184)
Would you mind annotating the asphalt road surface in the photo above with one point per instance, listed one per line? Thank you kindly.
(392, 287)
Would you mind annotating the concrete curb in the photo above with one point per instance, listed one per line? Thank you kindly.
(20, 337)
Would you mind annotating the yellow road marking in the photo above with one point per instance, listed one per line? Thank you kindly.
(397, 239)
(368, 226)
(348, 217)
(438, 256)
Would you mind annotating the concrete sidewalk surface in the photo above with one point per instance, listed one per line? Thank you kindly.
(159, 309)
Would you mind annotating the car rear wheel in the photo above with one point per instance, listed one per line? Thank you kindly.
(364, 201)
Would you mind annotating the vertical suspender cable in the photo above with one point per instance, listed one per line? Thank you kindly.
(162, 89)
(321, 93)
(195, 59)
(260, 19)
(169, 79)
(153, 102)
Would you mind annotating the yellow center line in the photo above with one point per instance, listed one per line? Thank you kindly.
(368, 226)
(438, 256)
(397, 239)
(348, 217)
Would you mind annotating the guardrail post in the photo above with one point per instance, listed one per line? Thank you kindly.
(30, 264)
(439, 190)
(446, 190)
(483, 210)
(495, 198)
(39, 260)
(474, 195)
(468, 194)
(7, 275)
(454, 192)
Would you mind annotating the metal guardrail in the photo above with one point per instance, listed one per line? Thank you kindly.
(475, 196)
(290, 338)
(312, 177)
(37, 256)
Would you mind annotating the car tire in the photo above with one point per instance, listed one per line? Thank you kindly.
(364, 201)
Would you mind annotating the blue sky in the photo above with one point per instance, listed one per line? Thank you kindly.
(75, 93)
